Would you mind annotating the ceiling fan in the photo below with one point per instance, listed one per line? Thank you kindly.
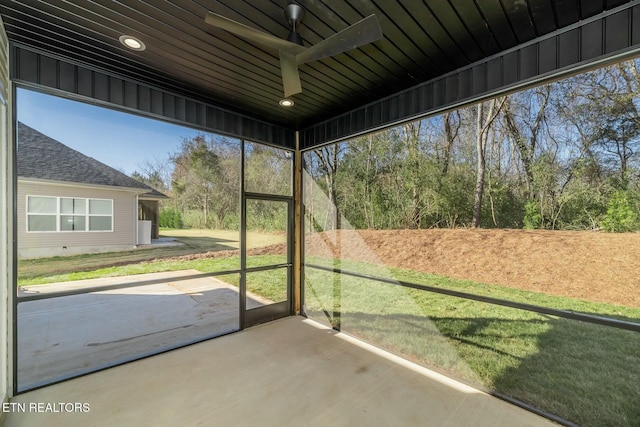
(292, 52)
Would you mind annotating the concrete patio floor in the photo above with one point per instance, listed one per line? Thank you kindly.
(135, 316)
(289, 372)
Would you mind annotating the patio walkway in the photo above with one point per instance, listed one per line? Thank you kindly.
(118, 319)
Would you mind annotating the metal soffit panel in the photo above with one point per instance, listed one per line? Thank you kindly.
(603, 39)
(422, 41)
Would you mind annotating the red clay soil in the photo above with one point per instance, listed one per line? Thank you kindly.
(588, 265)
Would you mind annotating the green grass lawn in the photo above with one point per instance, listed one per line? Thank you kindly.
(224, 239)
(585, 373)
(58, 269)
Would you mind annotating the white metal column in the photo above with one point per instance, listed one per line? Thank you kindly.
(6, 222)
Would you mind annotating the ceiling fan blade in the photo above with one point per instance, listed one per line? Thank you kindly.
(361, 33)
(252, 34)
(290, 75)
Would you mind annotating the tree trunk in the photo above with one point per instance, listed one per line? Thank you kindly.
(451, 128)
(205, 209)
(480, 167)
(369, 212)
(329, 161)
(482, 131)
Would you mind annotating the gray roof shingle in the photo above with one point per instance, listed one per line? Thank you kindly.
(42, 157)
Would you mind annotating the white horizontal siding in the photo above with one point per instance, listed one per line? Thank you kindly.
(124, 222)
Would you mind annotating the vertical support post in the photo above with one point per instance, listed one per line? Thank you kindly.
(297, 228)
(243, 242)
(8, 288)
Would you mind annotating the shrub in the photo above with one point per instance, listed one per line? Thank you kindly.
(622, 213)
(532, 216)
(194, 219)
(230, 222)
(170, 217)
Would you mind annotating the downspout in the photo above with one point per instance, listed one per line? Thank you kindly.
(136, 222)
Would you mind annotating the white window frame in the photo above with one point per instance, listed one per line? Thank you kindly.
(87, 215)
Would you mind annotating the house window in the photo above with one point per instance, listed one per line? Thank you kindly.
(46, 213)
(73, 214)
(42, 213)
(100, 215)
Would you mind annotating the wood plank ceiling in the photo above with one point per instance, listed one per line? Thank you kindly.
(423, 39)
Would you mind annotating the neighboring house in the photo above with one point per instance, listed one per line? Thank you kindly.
(69, 203)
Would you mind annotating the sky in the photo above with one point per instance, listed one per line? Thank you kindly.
(120, 140)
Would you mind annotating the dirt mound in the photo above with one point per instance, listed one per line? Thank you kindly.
(593, 266)
(588, 265)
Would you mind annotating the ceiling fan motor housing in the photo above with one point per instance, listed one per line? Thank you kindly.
(294, 14)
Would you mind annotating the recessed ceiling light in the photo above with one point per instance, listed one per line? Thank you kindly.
(132, 43)
(286, 103)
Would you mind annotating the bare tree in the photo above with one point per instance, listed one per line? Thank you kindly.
(530, 119)
(328, 158)
(451, 128)
(483, 124)
(410, 137)
(155, 173)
